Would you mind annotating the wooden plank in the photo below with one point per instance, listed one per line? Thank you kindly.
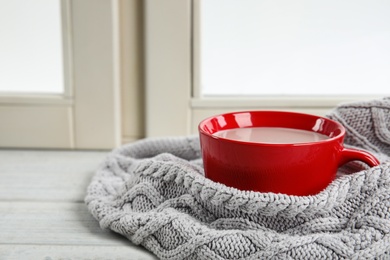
(47, 175)
(42, 215)
(39, 228)
(52, 223)
(74, 252)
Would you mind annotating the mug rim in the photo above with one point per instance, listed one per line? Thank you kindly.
(338, 136)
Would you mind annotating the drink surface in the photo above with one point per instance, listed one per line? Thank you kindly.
(271, 135)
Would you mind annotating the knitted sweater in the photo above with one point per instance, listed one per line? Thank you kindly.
(154, 193)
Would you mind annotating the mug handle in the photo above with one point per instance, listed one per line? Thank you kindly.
(348, 155)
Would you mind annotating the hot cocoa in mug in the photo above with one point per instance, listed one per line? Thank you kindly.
(275, 151)
(271, 135)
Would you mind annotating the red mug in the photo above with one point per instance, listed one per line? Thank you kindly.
(293, 168)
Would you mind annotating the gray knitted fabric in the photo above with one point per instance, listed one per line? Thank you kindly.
(154, 193)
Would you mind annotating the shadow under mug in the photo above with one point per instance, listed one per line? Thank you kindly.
(294, 168)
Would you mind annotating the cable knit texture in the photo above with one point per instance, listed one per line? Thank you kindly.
(154, 193)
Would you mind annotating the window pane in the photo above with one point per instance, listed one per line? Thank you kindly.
(31, 46)
(283, 47)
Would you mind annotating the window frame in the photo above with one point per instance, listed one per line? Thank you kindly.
(87, 114)
(174, 104)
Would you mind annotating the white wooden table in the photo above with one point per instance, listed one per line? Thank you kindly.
(42, 213)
